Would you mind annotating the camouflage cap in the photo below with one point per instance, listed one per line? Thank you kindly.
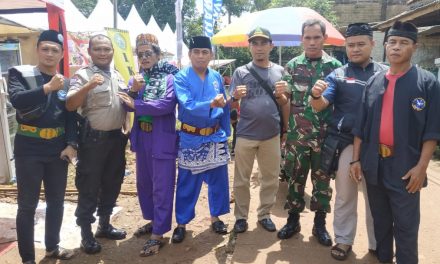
(261, 33)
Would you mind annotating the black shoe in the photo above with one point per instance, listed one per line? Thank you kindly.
(292, 227)
(110, 232)
(322, 235)
(289, 230)
(219, 227)
(319, 230)
(240, 226)
(267, 224)
(90, 246)
(178, 234)
(29, 262)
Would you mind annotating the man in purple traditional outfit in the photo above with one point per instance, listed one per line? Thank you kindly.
(154, 140)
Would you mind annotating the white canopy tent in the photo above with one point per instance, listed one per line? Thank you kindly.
(75, 20)
(135, 24)
(30, 20)
(153, 27)
(102, 16)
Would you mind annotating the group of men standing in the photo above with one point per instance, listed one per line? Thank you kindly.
(337, 121)
(344, 123)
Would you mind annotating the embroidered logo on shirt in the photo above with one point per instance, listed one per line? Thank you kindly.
(73, 80)
(62, 95)
(418, 104)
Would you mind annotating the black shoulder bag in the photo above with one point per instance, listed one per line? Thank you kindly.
(269, 91)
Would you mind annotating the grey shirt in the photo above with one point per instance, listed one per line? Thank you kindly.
(259, 117)
(102, 106)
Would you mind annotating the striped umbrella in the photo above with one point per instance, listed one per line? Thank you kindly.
(283, 23)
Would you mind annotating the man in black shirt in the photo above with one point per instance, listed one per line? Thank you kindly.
(46, 140)
(396, 134)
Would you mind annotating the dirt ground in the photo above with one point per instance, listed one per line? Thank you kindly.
(204, 246)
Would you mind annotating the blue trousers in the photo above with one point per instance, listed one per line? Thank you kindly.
(188, 190)
(396, 214)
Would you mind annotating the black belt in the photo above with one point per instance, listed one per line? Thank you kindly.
(102, 133)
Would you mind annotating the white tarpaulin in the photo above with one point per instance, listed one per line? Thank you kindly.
(75, 20)
(135, 25)
(102, 16)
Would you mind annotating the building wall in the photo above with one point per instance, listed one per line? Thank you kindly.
(28, 44)
(350, 11)
(428, 49)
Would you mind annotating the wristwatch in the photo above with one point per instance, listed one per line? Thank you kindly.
(74, 145)
(315, 97)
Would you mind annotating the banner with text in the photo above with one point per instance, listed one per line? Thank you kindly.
(123, 54)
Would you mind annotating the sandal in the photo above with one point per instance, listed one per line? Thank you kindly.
(339, 253)
(60, 253)
(151, 247)
(143, 230)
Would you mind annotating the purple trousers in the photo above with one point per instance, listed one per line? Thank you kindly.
(155, 185)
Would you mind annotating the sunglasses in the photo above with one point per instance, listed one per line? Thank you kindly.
(145, 54)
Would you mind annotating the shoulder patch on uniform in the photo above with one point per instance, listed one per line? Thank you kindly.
(74, 79)
(418, 104)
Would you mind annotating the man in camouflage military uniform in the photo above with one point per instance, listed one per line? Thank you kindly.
(306, 132)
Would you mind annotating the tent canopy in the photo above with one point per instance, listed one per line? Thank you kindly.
(24, 6)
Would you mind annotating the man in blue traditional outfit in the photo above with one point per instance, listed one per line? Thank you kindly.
(203, 152)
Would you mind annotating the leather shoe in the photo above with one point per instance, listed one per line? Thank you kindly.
(219, 227)
(240, 226)
(322, 235)
(289, 230)
(110, 232)
(90, 246)
(178, 234)
(29, 262)
(267, 224)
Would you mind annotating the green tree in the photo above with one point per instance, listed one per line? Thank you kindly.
(260, 5)
(236, 7)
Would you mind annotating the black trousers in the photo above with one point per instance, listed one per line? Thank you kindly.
(30, 172)
(396, 216)
(99, 175)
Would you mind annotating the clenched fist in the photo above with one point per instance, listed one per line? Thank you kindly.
(280, 88)
(240, 91)
(219, 101)
(55, 84)
(96, 80)
(319, 88)
(138, 81)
